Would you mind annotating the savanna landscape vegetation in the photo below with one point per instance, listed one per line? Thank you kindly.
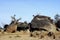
(40, 28)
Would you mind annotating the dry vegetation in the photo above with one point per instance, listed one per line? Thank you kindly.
(30, 35)
(26, 36)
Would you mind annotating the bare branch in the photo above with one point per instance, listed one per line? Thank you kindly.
(13, 17)
(18, 19)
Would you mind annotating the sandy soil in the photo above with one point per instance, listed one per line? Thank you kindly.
(24, 36)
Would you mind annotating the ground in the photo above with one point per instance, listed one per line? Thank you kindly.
(24, 36)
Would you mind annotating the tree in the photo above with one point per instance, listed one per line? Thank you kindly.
(57, 17)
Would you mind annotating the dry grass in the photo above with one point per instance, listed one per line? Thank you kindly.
(26, 36)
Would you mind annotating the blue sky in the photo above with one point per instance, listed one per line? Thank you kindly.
(26, 8)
